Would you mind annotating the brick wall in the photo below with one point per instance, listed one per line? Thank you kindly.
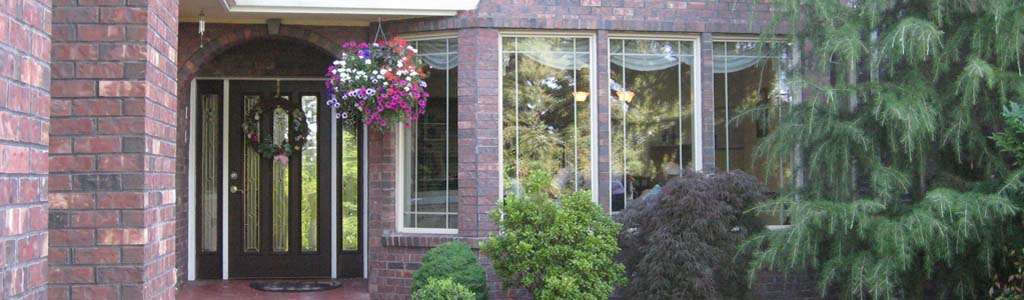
(479, 121)
(112, 152)
(393, 256)
(24, 138)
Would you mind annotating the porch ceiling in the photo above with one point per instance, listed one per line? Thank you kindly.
(318, 12)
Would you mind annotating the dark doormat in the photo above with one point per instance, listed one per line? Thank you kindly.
(295, 286)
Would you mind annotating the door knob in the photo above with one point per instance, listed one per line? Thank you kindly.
(234, 190)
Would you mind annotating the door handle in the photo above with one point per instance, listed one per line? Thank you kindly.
(234, 190)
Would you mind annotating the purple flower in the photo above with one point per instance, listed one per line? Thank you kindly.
(344, 115)
(423, 84)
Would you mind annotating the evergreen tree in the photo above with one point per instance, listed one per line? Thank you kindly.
(896, 178)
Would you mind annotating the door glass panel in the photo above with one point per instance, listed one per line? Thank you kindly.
(251, 186)
(280, 185)
(309, 176)
(210, 159)
(349, 144)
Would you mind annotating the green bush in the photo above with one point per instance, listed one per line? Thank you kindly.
(682, 243)
(453, 260)
(443, 289)
(560, 249)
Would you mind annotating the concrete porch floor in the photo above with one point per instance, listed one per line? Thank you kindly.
(355, 289)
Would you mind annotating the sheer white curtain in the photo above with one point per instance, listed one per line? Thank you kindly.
(438, 54)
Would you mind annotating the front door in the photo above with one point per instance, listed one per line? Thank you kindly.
(279, 207)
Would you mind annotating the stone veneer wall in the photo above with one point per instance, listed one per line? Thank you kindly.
(112, 151)
(24, 138)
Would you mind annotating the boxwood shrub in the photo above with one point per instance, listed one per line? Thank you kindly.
(453, 260)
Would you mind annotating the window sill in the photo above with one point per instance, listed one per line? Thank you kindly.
(425, 240)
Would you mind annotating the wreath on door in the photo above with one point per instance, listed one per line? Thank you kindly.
(264, 143)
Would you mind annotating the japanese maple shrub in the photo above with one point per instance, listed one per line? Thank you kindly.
(554, 246)
(681, 244)
(456, 261)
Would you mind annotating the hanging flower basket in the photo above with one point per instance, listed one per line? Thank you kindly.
(378, 84)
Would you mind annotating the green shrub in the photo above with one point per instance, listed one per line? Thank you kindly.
(453, 260)
(443, 289)
(554, 249)
(945, 246)
(1012, 286)
(681, 244)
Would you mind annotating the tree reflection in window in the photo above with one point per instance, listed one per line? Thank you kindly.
(544, 128)
(651, 132)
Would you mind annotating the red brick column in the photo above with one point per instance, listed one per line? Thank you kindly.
(479, 127)
(24, 123)
(112, 152)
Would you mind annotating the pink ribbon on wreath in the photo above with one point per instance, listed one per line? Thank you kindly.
(281, 158)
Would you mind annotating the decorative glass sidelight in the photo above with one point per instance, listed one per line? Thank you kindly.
(210, 193)
(279, 185)
(348, 145)
(251, 184)
(309, 200)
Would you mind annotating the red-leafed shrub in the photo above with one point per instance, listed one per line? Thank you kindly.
(681, 243)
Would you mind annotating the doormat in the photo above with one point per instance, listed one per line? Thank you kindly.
(295, 286)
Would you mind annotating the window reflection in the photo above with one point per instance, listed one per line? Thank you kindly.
(432, 185)
(749, 80)
(651, 115)
(544, 128)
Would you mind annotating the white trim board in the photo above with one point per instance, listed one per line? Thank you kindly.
(191, 188)
(351, 7)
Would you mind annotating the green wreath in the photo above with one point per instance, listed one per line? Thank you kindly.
(263, 143)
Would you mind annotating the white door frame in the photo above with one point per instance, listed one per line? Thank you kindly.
(192, 201)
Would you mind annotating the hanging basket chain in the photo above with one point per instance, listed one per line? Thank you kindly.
(380, 30)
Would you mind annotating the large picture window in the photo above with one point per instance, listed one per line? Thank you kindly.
(652, 131)
(430, 200)
(749, 79)
(546, 110)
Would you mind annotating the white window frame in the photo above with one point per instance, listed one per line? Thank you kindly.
(696, 92)
(401, 161)
(592, 39)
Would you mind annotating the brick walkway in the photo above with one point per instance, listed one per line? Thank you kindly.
(355, 289)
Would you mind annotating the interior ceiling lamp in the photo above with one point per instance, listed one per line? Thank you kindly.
(625, 95)
(580, 96)
(202, 26)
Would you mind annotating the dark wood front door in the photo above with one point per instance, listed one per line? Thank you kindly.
(279, 211)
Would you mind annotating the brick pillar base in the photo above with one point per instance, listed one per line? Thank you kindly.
(112, 155)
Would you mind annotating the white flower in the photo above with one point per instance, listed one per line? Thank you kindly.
(368, 61)
(407, 78)
(399, 64)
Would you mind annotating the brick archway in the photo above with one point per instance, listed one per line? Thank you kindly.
(192, 57)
